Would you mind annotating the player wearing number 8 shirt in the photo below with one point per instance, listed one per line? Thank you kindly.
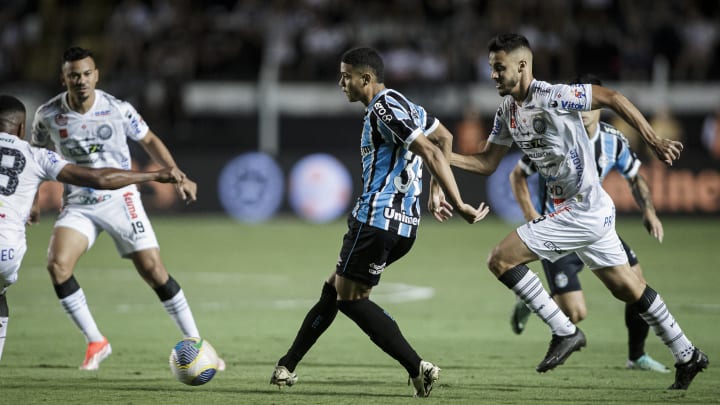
(22, 169)
(90, 127)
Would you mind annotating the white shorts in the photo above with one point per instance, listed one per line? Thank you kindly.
(584, 227)
(122, 216)
(10, 259)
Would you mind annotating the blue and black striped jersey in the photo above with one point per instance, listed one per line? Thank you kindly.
(611, 150)
(392, 175)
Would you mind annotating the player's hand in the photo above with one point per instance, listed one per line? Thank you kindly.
(654, 226)
(668, 150)
(34, 217)
(187, 190)
(170, 175)
(440, 208)
(472, 214)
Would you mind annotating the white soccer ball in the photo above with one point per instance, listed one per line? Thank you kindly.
(193, 361)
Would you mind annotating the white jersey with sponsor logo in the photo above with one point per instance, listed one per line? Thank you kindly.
(548, 128)
(96, 139)
(22, 169)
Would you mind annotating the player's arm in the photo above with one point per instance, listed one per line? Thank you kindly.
(438, 206)
(157, 150)
(643, 198)
(521, 191)
(435, 160)
(484, 162)
(665, 149)
(111, 178)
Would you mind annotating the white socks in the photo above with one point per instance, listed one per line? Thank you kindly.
(179, 310)
(3, 333)
(532, 292)
(77, 309)
(667, 329)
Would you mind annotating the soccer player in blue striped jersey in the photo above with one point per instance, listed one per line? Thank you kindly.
(398, 137)
(612, 152)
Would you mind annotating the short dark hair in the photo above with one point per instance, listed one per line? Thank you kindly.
(10, 105)
(366, 57)
(508, 42)
(586, 78)
(76, 53)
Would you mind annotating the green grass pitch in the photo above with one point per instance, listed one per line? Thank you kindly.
(250, 286)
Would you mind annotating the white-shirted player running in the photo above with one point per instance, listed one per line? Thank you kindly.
(22, 169)
(90, 128)
(543, 120)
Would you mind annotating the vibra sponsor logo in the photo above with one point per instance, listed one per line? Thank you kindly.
(391, 214)
(127, 197)
(376, 269)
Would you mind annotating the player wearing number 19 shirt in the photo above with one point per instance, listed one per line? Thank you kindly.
(22, 169)
(543, 120)
(397, 138)
(90, 127)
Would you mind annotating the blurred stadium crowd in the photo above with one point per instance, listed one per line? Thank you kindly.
(429, 40)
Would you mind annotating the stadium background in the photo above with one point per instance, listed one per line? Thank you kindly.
(218, 79)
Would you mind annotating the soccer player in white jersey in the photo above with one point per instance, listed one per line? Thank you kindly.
(612, 152)
(22, 169)
(543, 120)
(90, 128)
(397, 139)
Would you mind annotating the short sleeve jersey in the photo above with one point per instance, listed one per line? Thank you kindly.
(391, 173)
(97, 138)
(22, 168)
(547, 127)
(611, 151)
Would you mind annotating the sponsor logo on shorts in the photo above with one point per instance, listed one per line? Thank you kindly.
(552, 246)
(92, 199)
(376, 269)
(127, 197)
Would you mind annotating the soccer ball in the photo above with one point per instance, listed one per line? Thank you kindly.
(193, 361)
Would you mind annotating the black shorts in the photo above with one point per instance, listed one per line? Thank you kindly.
(366, 252)
(562, 276)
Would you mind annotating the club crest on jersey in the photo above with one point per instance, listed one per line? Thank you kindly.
(61, 119)
(63, 133)
(539, 125)
(104, 132)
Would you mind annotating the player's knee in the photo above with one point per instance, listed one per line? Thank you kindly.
(495, 262)
(59, 271)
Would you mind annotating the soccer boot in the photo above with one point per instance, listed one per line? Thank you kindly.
(96, 352)
(561, 347)
(685, 372)
(424, 382)
(281, 376)
(519, 317)
(647, 363)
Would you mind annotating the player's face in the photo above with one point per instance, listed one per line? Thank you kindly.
(590, 118)
(80, 78)
(504, 71)
(351, 82)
